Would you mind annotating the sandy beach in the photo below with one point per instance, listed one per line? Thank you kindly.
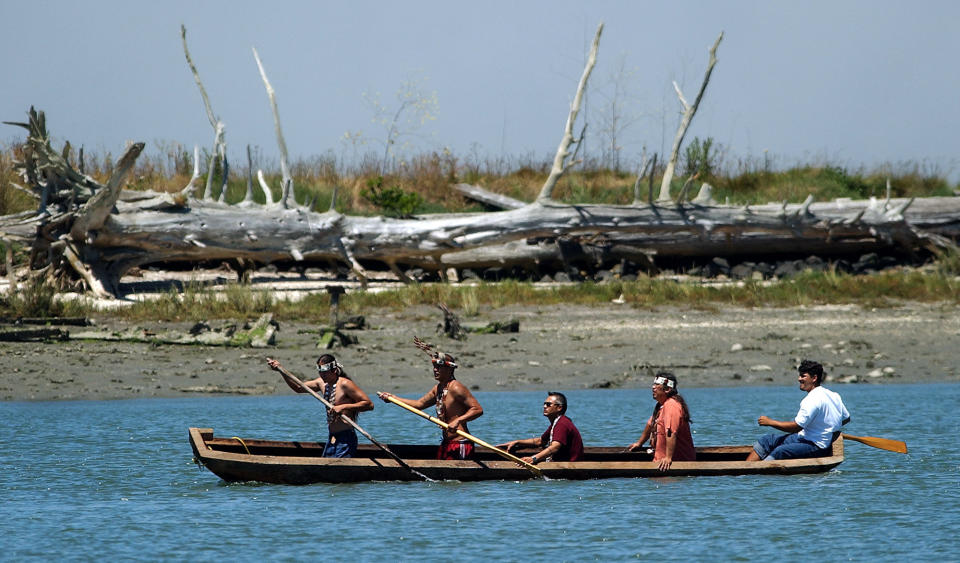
(558, 347)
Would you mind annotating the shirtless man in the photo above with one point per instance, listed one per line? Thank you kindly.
(455, 404)
(347, 397)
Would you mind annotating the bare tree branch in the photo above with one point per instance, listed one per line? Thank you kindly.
(563, 151)
(219, 138)
(688, 113)
(287, 181)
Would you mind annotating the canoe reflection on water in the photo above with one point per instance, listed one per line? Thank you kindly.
(299, 463)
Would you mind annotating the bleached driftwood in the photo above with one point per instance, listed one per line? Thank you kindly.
(286, 179)
(81, 240)
(219, 132)
(488, 198)
(688, 113)
(560, 160)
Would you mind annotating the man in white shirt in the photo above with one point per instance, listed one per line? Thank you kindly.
(821, 415)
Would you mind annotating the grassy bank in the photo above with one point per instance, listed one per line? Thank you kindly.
(936, 284)
(430, 176)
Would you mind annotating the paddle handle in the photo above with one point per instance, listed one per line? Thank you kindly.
(472, 438)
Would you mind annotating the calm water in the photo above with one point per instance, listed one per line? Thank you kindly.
(99, 480)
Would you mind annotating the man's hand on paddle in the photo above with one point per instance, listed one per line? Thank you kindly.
(274, 364)
(384, 396)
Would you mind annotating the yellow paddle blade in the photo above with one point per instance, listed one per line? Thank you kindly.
(880, 443)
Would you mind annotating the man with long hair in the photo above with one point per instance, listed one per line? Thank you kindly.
(668, 428)
(347, 398)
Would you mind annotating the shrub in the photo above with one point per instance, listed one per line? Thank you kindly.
(394, 201)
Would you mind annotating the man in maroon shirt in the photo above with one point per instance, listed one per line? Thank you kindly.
(561, 442)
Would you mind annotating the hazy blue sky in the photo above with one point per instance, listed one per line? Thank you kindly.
(851, 82)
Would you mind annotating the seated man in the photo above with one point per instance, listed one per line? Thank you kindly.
(560, 442)
(668, 428)
(821, 415)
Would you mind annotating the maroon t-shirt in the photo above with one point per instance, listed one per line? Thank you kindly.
(571, 446)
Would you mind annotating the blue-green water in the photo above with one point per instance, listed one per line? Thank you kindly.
(107, 480)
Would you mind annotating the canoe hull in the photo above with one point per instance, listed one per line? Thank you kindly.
(299, 463)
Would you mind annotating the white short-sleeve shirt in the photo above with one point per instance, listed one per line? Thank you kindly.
(821, 414)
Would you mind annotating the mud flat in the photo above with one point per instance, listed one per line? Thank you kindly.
(558, 347)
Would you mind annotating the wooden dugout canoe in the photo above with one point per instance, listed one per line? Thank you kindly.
(299, 463)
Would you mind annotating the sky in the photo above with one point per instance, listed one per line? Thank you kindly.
(859, 84)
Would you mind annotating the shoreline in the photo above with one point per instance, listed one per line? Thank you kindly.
(558, 347)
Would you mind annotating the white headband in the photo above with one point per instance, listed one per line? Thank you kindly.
(440, 358)
(664, 381)
(329, 366)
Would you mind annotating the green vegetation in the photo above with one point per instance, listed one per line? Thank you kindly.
(885, 289)
(422, 183)
(393, 201)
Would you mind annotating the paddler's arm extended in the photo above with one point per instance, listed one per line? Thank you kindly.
(421, 403)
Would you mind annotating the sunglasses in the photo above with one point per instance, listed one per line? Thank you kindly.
(548, 403)
(323, 368)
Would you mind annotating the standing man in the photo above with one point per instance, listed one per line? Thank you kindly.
(821, 415)
(347, 398)
(560, 442)
(668, 428)
(455, 404)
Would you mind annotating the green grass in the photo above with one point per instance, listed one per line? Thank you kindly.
(886, 289)
(430, 175)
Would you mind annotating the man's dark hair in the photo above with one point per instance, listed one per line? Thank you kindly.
(561, 398)
(813, 368)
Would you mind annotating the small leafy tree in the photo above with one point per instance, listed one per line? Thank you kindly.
(394, 201)
(701, 157)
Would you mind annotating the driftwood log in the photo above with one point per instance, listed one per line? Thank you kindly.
(95, 233)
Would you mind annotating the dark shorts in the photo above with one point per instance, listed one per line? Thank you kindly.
(455, 449)
(341, 444)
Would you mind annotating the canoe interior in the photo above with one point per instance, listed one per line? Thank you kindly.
(300, 462)
(429, 451)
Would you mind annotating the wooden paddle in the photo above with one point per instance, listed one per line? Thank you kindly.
(289, 376)
(880, 443)
(504, 454)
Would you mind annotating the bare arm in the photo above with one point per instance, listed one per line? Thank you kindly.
(643, 437)
(667, 460)
(543, 454)
(783, 425)
(360, 401)
(514, 444)
(464, 396)
(421, 403)
(314, 384)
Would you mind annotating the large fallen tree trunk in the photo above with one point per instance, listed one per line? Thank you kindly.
(98, 233)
